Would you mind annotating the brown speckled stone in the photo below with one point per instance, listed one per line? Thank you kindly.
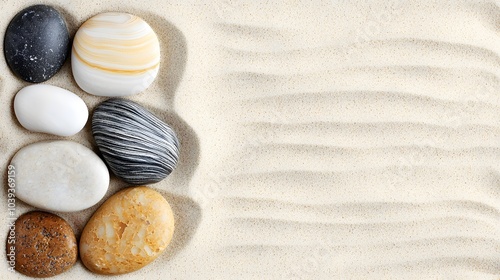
(45, 244)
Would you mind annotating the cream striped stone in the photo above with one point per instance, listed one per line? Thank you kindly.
(115, 54)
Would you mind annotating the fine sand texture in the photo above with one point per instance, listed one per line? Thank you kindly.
(319, 139)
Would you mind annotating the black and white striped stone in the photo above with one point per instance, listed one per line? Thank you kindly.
(137, 146)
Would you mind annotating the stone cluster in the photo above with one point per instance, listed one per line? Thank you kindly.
(134, 226)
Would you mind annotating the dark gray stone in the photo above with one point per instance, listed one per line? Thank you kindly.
(36, 43)
(138, 147)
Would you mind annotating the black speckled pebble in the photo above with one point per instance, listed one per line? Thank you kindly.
(137, 146)
(36, 43)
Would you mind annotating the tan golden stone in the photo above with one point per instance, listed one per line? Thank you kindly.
(130, 230)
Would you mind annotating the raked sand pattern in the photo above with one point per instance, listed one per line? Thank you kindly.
(376, 150)
(319, 139)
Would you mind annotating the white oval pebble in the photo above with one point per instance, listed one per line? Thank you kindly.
(59, 176)
(50, 109)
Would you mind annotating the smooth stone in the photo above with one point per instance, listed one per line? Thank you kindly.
(132, 55)
(137, 146)
(130, 230)
(60, 176)
(50, 109)
(45, 245)
(36, 43)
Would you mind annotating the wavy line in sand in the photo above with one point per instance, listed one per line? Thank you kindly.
(356, 107)
(418, 249)
(263, 158)
(375, 134)
(390, 52)
(389, 184)
(446, 47)
(356, 213)
(312, 262)
(442, 83)
(365, 95)
(271, 231)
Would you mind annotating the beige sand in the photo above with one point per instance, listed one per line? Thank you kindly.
(320, 139)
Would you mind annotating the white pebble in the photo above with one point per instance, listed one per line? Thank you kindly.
(50, 109)
(59, 176)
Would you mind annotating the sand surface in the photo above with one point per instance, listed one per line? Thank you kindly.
(320, 139)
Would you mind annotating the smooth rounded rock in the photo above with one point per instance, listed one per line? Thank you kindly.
(115, 54)
(60, 176)
(44, 245)
(36, 43)
(50, 109)
(130, 230)
(137, 146)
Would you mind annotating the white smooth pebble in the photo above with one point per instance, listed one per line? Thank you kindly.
(60, 176)
(50, 109)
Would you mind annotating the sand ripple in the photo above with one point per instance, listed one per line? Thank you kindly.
(374, 158)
